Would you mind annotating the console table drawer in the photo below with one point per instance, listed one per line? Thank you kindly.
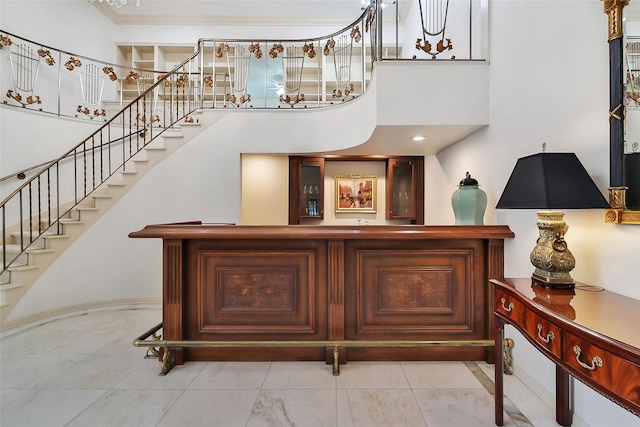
(510, 307)
(540, 331)
(546, 334)
(603, 369)
(567, 326)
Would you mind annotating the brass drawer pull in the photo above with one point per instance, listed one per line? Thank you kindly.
(596, 362)
(550, 335)
(506, 308)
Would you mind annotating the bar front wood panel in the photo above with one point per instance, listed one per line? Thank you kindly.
(255, 290)
(306, 283)
(419, 290)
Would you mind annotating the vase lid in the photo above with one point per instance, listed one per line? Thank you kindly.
(468, 181)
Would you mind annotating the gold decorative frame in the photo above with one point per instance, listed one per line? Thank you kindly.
(356, 194)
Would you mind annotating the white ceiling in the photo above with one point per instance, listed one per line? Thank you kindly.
(234, 12)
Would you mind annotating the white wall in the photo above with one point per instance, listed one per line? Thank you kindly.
(70, 23)
(334, 169)
(548, 83)
(265, 189)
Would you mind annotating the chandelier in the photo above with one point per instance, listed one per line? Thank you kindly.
(118, 3)
(383, 3)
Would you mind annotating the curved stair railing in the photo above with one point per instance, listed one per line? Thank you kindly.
(165, 101)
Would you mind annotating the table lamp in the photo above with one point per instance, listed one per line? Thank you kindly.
(551, 181)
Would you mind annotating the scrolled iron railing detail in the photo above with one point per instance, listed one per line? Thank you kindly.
(132, 76)
(254, 48)
(46, 55)
(275, 50)
(109, 71)
(87, 112)
(309, 50)
(18, 98)
(342, 53)
(433, 21)
(72, 63)
(5, 41)
(222, 49)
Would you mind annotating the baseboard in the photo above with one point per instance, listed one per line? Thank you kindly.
(15, 326)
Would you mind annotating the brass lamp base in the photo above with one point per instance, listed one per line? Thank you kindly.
(551, 257)
(553, 282)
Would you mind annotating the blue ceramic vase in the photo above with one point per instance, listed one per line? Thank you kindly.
(469, 202)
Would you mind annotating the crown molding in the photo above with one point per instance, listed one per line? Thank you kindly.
(118, 17)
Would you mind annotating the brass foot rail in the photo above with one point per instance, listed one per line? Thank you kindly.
(168, 359)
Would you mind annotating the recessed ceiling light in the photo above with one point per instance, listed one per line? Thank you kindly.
(417, 138)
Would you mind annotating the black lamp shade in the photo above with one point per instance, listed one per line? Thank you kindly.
(551, 181)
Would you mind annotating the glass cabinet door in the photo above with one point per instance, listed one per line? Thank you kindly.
(405, 198)
(306, 189)
(311, 191)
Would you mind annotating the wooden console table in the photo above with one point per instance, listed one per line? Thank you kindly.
(328, 284)
(590, 334)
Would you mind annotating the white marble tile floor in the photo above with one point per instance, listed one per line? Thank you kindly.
(83, 370)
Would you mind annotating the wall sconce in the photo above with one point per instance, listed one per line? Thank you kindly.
(551, 181)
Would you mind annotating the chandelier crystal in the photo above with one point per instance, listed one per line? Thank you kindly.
(118, 3)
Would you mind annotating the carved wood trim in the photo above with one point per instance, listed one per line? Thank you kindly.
(613, 9)
(172, 269)
(336, 289)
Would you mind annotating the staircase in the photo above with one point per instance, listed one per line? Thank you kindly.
(46, 248)
(45, 215)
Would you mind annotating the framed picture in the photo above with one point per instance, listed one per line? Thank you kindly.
(356, 194)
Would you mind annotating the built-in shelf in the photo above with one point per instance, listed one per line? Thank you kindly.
(315, 78)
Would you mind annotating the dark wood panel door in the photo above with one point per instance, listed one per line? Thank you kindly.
(405, 189)
(421, 290)
(240, 291)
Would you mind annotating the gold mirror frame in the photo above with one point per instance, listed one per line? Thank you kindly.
(618, 213)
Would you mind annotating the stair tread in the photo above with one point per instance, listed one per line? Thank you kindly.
(56, 236)
(71, 221)
(10, 285)
(15, 248)
(27, 239)
(39, 251)
(22, 267)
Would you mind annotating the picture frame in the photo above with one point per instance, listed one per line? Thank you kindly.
(356, 194)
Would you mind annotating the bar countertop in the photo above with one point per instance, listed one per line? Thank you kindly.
(198, 230)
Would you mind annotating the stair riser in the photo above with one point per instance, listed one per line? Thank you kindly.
(23, 259)
(5, 277)
(38, 243)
